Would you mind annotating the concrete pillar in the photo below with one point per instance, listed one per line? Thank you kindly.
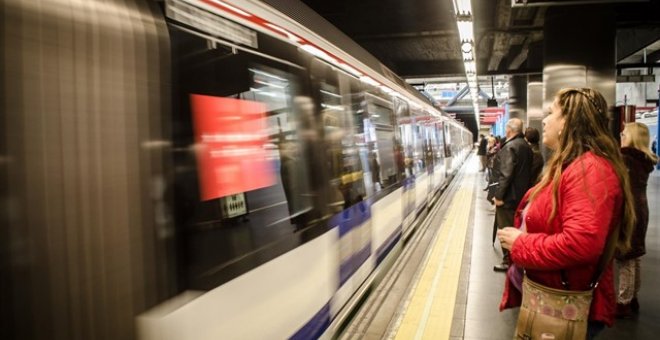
(518, 97)
(535, 105)
(579, 50)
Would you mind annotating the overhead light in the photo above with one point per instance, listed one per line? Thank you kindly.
(465, 30)
(464, 23)
(470, 67)
(466, 47)
(463, 7)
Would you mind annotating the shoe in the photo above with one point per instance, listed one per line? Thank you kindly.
(634, 305)
(502, 267)
(623, 311)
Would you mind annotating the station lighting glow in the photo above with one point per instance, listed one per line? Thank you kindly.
(465, 30)
(232, 8)
(350, 69)
(317, 52)
(463, 7)
(369, 80)
(464, 22)
(386, 89)
(289, 35)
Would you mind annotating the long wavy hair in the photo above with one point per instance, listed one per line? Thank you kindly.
(586, 129)
(638, 134)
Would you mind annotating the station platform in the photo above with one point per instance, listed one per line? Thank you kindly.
(445, 288)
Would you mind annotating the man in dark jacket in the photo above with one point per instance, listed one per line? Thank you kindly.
(481, 152)
(513, 165)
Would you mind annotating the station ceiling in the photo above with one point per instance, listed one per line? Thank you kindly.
(419, 39)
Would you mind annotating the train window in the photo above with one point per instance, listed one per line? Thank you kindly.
(429, 142)
(244, 135)
(413, 139)
(439, 133)
(381, 142)
(406, 126)
(344, 140)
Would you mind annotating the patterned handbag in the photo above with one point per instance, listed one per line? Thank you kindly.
(550, 313)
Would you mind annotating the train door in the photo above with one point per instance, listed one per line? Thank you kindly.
(441, 168)
(419, 161)
(345, 146)
(406, 154)
(448, 148)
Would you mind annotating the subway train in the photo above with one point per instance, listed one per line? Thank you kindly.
(202, 169)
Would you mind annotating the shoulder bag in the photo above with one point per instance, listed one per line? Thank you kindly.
(550, 313)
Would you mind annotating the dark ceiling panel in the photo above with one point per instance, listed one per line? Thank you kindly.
(420, 38)
(366, 17)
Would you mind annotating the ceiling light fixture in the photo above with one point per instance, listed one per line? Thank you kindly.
(464, 23)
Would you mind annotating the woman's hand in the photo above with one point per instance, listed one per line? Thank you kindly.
(507, 236)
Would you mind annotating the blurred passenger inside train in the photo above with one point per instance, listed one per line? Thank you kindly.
(640, 163)
(564, 223)
(532, 138)
(512, 172)
(374, 167)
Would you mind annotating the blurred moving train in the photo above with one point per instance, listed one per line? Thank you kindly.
(201, 169)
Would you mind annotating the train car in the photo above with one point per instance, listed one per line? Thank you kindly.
(202, 169)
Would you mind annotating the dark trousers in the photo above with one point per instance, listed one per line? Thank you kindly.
(594, 328)
(504, 218)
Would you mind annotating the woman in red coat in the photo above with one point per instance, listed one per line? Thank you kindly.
(582, 196)
(640, 162)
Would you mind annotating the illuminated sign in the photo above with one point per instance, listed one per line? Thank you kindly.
(230, 135)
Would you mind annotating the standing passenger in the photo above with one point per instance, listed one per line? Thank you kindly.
(640, 162)
(532, 138)
(512, 172)
(583, 196)
(483, 144)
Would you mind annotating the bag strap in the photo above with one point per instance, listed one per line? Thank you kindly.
(603, 261)
(606, 257)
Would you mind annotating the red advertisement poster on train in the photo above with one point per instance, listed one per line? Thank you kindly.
(230, 135)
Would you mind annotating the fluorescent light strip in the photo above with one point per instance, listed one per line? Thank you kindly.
(465, 30)
(463, 7)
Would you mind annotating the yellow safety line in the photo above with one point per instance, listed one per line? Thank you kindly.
(431, 309)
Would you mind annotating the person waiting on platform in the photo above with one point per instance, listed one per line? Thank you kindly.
(481, 152)
(564, 221)
(491, 151)
(532, 138)
(512, 173)
(640, 162)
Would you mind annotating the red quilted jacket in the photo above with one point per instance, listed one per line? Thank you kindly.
(589, 206)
